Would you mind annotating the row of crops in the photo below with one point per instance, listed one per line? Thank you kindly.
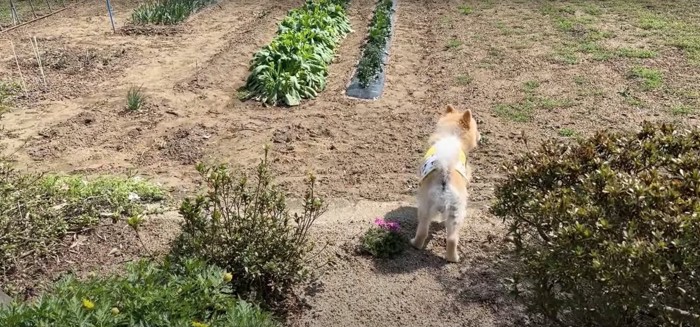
(294, 66)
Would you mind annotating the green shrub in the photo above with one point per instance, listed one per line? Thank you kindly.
(36, 211)
(294, 65)
(608, 230)
(370, 65)
(167, 12)
(244, 226)
(383, 240)
(167, 295)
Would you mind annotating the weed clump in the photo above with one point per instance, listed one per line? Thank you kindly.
(135, 99)
(608, 229)
(243, 225)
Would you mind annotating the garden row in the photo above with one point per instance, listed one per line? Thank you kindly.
(294, 66)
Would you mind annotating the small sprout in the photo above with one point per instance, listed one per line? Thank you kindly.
(135, 222)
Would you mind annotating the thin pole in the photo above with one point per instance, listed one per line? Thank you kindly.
(32, 5)
(24, 83)
(13, 12)
(35, 46)
(111, 19)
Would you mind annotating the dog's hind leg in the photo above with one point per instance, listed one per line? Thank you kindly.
(424, 219)
(453, 225)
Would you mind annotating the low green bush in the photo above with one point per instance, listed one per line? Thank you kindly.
(383, 240)
(608, 230)
(167, 12)
(36, 211)
(244, 226)
(294, 65)
(156, 295)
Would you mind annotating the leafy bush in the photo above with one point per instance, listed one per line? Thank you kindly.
(370, 65)
(383, 240)
(36, 211)
(167, 295)
(608, 230)
(167, 12)
(294, 65)
(244, 226)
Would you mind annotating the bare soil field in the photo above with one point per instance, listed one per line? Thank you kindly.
(530, 71)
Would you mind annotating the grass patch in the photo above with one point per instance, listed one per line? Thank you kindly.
(636, 53)
(649, 78)
(135, 99)
(36, 211)
(464, 80)
(650, 21)
(465, 10)
(150, 294)
(565, 56)
(531, 85)
(167, 12)
(567, 132)
(682, 110)
(453, 44)
(517, 112)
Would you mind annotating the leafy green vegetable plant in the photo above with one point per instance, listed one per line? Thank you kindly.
(294, 65)
(155, 295)
(608, 230)
(370, 65)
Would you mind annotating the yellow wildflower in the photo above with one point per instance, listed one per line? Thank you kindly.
(228, 277)
(115, 311)
(198, 324)
(87, 304)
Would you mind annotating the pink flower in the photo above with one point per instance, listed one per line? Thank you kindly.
(387, 225)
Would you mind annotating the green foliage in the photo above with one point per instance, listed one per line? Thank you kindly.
(636, 53)
(383, 240)
(294, 65)
(156, 295)
(7, 91)
(608, 230)
(465, 10)
(167, 12)
(370, 65)
(649, 77)
(244, 226)
(37, 211)
(135, 99)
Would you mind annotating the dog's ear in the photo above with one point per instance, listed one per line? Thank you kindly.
(466, 120)
(450, 109)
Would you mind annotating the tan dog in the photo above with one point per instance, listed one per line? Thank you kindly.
(445, 175)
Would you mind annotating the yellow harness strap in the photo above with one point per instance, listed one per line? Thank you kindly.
(430, 163)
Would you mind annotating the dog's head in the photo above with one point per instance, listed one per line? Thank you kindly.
(462, 123)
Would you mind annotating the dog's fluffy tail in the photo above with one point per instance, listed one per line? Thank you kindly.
(447, 150)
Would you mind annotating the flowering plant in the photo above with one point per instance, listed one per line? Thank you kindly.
(383, 240)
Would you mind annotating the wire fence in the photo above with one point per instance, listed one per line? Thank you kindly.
(17, 12)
